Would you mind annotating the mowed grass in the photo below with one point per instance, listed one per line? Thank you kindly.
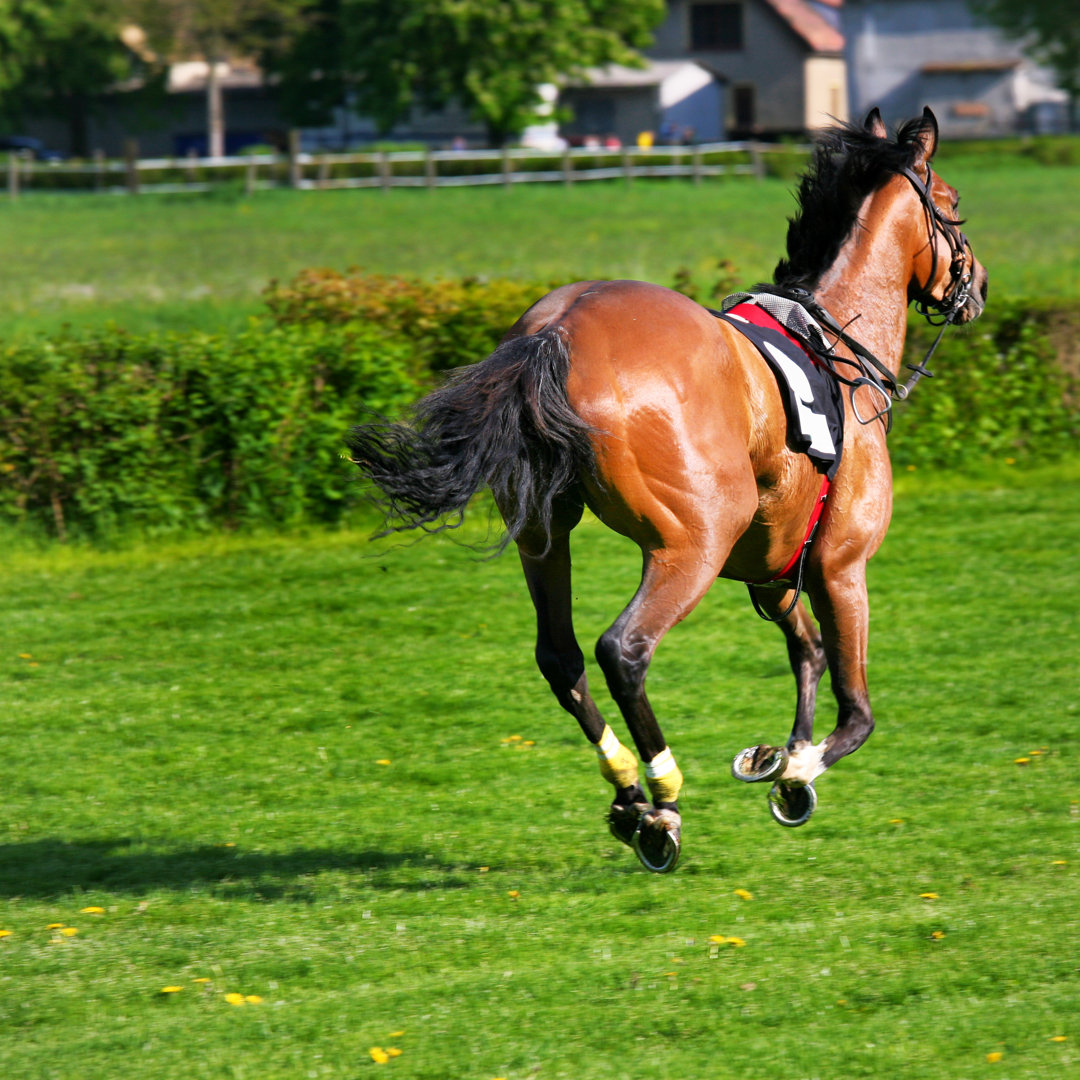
(177, 262)
(325, 776)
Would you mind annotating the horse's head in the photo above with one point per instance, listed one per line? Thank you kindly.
(947, 281)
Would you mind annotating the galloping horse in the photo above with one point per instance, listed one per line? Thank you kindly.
(668, 424)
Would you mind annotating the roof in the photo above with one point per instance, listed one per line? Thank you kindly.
(617, 76)
(809, 25)
(961, 67)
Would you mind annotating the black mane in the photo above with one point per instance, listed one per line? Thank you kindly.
(849, 162)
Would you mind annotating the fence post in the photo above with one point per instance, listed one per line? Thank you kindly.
(99, 169)
(567, 168)
(250, 177)
(189, 167)
(131, 165)
(695, 168)
(429, 168)
(507, 171)
(627, 167)
(757, 161)
(324, 171)
(295, 168)
(384, 170)
(13, 176)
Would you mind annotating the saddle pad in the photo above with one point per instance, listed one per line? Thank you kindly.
(812, 401)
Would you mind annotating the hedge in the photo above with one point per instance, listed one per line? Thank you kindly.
(177, 432)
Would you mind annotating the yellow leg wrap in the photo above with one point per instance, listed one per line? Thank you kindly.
(618, 766)
(664, 777)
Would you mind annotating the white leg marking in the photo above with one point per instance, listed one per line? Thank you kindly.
(806, 763)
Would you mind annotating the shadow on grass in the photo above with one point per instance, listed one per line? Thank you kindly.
(52, 867)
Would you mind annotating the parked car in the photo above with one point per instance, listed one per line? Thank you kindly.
(28, 146)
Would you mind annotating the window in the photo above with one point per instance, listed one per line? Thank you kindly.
(716, 27)
(743, 107)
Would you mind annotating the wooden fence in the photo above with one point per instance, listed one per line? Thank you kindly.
(404, 168)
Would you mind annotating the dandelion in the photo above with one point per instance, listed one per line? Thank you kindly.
(201, 979)
(396, 1034)
(379, 1055)
(721, 939)
(529, 742)
(1022, 761)
(744, 894)
(235, 999)
(5, 933)
(26, 656)
(937, 935)
(1059, 1038)
(513, 894)
(171, 989)
(55, 926)
(994, 1057)
(383, 761)
(928, 896)
(896, 821)
(253, 999)
(393, 1051)
(92, 911)
(511, 738)
(1059, 862)
(68, 931)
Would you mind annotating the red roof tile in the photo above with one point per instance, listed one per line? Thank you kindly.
(809, 25)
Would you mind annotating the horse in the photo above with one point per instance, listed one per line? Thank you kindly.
(664, 420)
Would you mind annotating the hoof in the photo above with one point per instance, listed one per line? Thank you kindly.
(624, 821)
(657, 841)
(758, 763)
(792, 804)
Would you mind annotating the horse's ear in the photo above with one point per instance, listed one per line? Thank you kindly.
(874, 124)
(925, 138)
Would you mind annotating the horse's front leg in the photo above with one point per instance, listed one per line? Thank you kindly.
(840, 603)
(806, 655)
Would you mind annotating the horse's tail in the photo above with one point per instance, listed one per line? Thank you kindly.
(504, 423)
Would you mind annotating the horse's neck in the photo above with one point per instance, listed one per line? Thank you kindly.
(866, 286)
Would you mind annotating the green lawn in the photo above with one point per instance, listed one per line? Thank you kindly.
(289, 766)
(182, 261)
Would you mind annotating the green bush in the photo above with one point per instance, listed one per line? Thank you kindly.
(114, 432)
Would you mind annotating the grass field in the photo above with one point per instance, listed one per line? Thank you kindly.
(318, 786)
(179, 262)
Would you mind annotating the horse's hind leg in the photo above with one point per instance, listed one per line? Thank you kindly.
(675, 578)
(546, 563)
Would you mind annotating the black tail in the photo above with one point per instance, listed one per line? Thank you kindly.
(504, 423)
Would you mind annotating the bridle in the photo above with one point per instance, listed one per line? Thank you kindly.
(943, 312)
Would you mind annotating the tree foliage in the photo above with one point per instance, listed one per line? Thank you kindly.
(1049, 31)
(55, 55)
(489, 56)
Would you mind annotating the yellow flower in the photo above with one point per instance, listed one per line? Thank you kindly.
(1022, 761)
(5, 933)
(896, 821)
(203, 979)
(54, 926)
(393, 1051)
(396, 1034)
(253, 999)
(171, 989)
(379, 1055)
(744, 894)
(937, 935)
(92, 911)
(1059, 862)
(529, 742)
(736, 941)
(928, 896)
(994, 1057)
(383, 761)
(513, 894)
(26, 656)
(511, 738)
(69, 931)
(1059, 1038)
(235, 999)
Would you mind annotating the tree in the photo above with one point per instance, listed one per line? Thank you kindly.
(217, 31)
(55, 56)
(1049, 32)
(490, 56)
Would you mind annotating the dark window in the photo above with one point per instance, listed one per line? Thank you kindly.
(716, 27)
(743, 102)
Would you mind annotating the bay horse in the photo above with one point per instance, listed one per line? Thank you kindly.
(666, 422)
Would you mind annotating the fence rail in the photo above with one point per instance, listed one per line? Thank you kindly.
(391, 169)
